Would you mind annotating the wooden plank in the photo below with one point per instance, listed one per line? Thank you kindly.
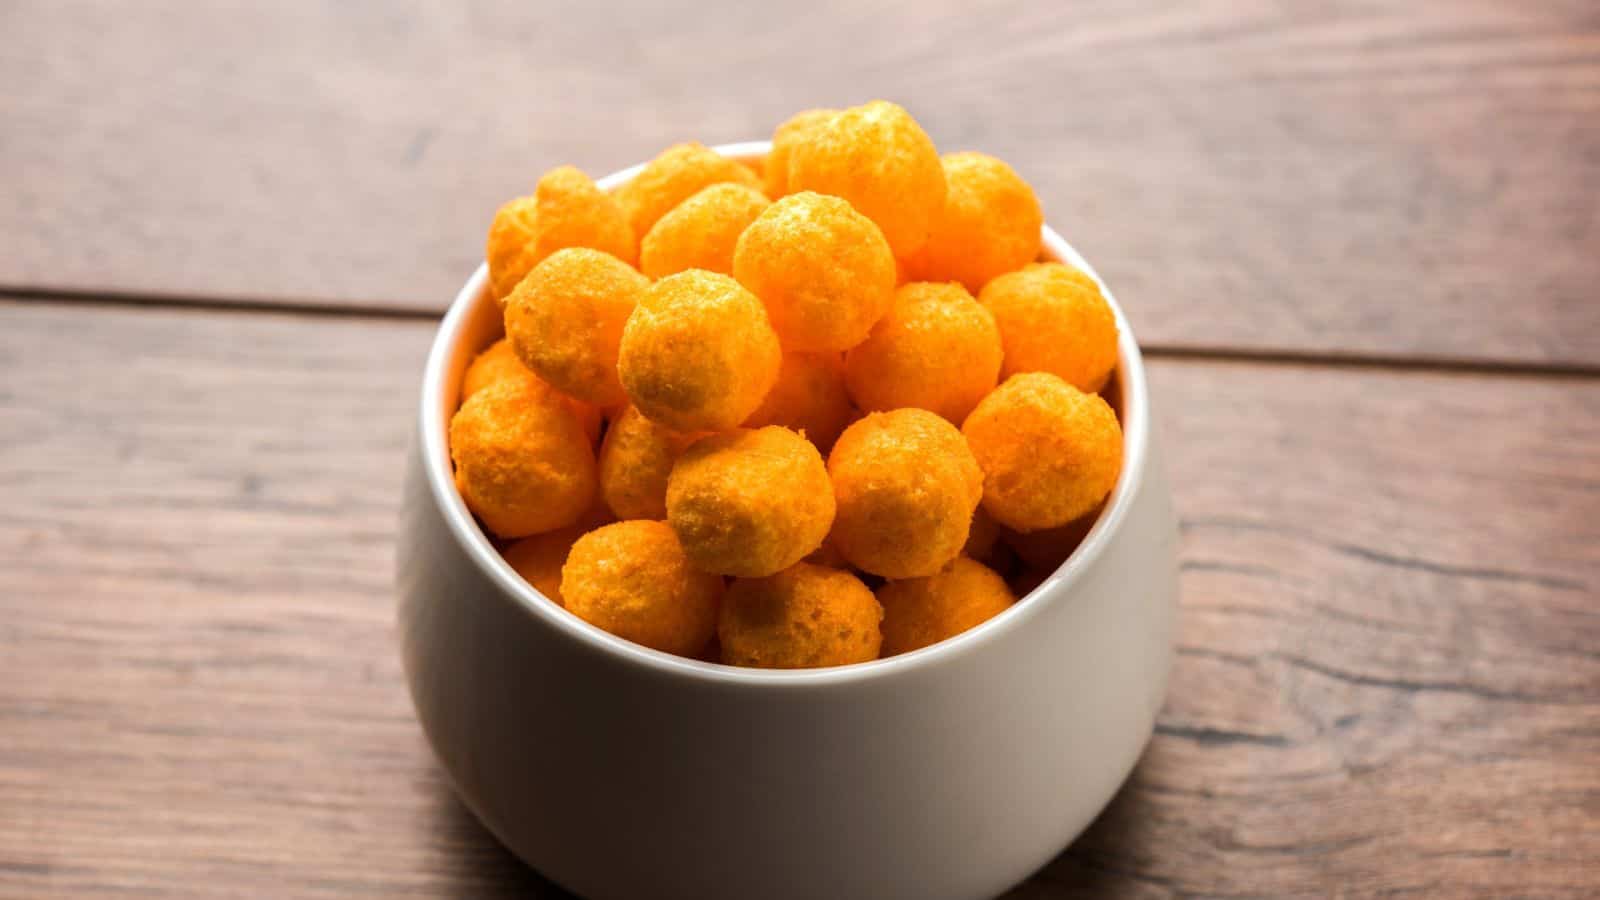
(1387, 677)
(1345, 178)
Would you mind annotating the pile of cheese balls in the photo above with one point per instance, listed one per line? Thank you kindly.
(841, 402)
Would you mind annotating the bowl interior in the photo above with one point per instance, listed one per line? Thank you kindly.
(474, 321)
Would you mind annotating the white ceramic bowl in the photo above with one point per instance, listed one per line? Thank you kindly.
(621, 772)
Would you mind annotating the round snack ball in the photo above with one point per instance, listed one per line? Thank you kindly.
(803, 617)
(906, 486)
(635, 459)
(990, 224)
(565, 321)
(877, 157)
(500, 362)
(680, 172)
(809, 397)
(750, 502)
(1048, 548)
(823, 270)
(1053, 319)
(566, 210)
(700, 232)
(538, 559)
(523, 464)
(922, 611)
(633, 580)
(937, 349)
(698, 353)
(792, 133)
(1049, 452)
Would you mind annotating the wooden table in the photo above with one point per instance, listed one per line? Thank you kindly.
(1360, 242)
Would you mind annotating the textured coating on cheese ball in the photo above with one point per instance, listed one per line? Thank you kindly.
(635, 459)
(522, 462)
(700, 232)
(937, 349)
(750, 502)
(500, 362)
(680, 172)
(906, 486)
(822, 269)
(795, 131)
(918, 612)
(808, 397)
(1049, 452)
(803, 617)
(990, 224)
(698, 353)
(1054, 319)
(877, 157)
(565, 210)
(633, 580)
(565, 321)
(538, 559)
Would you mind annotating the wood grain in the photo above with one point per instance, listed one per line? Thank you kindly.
(1387, 679)
(1345, 178)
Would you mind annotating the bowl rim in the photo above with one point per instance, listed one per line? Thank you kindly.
(477, 547)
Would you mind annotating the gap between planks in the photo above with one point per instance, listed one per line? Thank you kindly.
(1156, 350)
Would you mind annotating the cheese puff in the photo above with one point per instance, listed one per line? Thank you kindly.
(918, 612)
(906, 486)
(680, 172)
(565, 210)
(522, 462)
(1049, 452)
(990, 224)
(698, 353)
(539, 559)
(803, 617)
(937, 349)
(750, 502)
(700, 232)
(879, 159)
(808, 397)
(981, 536)
(500, 362)
(565, 321)
(633, 580)
(635, 459)
(1047, 548)
(795, 131)
(1054, 319)
(823, 270)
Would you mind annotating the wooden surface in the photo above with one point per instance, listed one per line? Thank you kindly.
(1387, 675)
(1362, 239)
(1346, 178)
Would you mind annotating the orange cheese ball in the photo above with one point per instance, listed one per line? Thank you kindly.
(635, 459)
(937, 349)
(1047, 548)
(539, 559)
(1053, 318)
(918, 612)
(700, 232)
(680, 172)
(565, 321)
(750, 502)
(633, 580)
(500, 362)
(566, 210)
(809, 397)
(698, 353)
(877, 157)
(795, 131)
(906, 487)
(522, 462)
(1049, 452)
(803, 617)
(823, 270)
(990, 224)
